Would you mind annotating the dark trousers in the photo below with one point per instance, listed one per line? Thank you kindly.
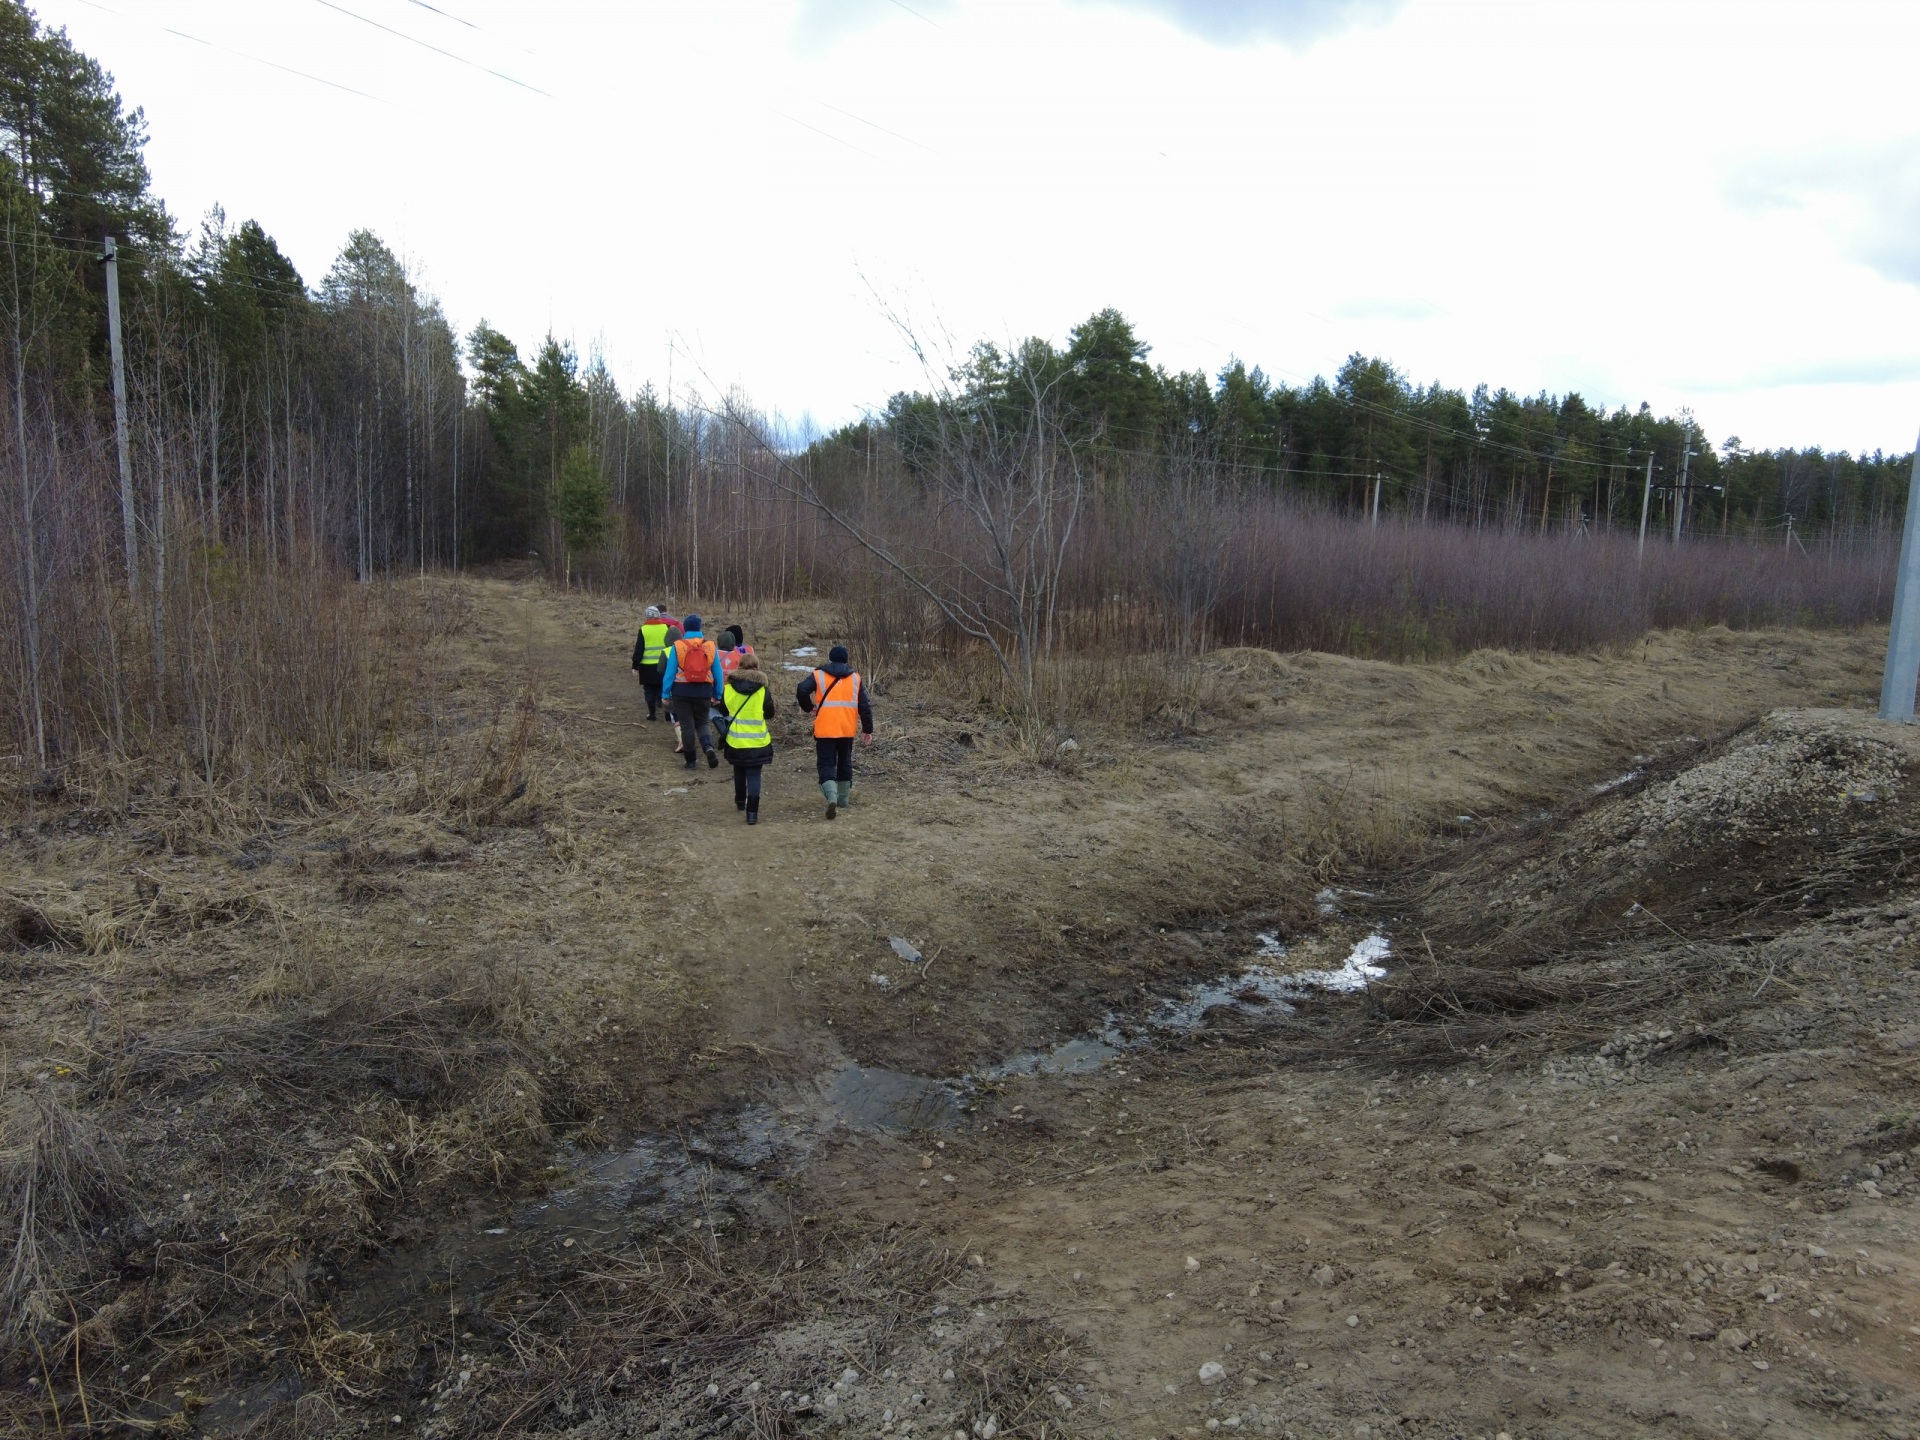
(691, 713)
(746, 783)
(650, 678)
(834, 758)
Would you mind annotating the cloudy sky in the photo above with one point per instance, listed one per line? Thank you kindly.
(1714, 205)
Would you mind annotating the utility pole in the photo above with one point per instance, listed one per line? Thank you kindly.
(1903, 640)
(1680, 491)
(111, 259)
(1376, 497)
(1646, 500)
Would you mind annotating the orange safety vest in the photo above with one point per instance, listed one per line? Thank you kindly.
(730, 659)
(836, 705)
(694, 660)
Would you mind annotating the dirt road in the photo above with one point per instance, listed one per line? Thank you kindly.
(1622, 1138)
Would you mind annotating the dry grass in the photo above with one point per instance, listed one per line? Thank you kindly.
(61, 1186)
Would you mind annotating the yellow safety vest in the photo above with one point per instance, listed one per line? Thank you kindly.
(747, 720)
(653, 635)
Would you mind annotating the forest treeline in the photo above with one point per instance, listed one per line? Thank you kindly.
(291, 440)
(1485, 456)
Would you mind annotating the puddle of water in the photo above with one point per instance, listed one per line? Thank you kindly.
(1080, 1056)
(863, 1097)
(719, 1172)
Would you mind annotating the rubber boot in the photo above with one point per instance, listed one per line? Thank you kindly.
(831, 789)
(713, 760)
(846, 794)
(753, 810)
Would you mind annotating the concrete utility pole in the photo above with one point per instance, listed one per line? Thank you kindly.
(1903, 640)
(1680, 491)
(1376, 498)
(1646, 500)
(111, 259)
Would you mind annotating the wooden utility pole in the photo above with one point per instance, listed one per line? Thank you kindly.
(1646, 501)
(111, 259)
(1680, 490)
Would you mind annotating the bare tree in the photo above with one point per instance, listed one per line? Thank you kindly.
(986, 542)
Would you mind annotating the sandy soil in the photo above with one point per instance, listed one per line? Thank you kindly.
(1624, 1138)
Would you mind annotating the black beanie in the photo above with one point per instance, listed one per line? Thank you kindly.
(739, 635)
(837, 655)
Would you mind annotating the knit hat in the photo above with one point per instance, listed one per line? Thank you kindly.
(725, 640)
(653, 612)
(837, 655)
(691, 624)
(739, 635)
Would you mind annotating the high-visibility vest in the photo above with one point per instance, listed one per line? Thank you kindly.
(836, 705)
(730, 659)
(694, 662)
(747, 719)
(653, 636)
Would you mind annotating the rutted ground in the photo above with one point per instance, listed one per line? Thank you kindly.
(1318, 1203)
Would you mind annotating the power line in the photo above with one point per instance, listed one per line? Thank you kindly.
(907, 139)
(242, 55)
(424, 45)
(444, 14)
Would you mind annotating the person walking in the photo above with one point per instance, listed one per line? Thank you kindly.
(838, 703)
(689, 683)
(733, 648)
(749, 740)
(658, 631)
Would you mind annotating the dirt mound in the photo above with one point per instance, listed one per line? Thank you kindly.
(1802, 812)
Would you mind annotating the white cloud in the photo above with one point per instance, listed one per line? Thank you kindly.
(1530, 195)
(1240, 22)
(1866, 195)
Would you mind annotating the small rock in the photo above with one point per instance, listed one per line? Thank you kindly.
(1069, 745)
(1192, 1264)
(1552, 1159)
(712, 1390)
(1323, 1277)
(1701, 1328)
(1212, 1373)
(1352, 1321)
(677, 790)
(1761, 1365)
(1735, 1339)
(849, 1376)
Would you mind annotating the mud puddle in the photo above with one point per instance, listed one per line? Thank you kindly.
(727, 1172)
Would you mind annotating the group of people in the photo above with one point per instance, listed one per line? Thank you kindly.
(715, 695)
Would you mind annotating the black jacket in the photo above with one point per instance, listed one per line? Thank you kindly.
(804, 696)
